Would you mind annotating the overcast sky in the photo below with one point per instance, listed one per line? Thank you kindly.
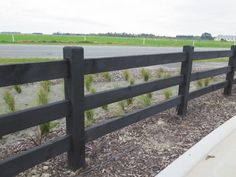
(160, 17)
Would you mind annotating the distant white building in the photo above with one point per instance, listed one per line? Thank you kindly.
(226, 38)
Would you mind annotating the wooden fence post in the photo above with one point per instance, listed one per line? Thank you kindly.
(186, 70)
(74, 92)
(230, 75)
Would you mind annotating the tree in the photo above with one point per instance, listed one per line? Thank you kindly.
(206, 36)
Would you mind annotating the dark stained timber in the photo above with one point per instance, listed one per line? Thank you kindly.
(118, 63)
(106, 97)
(14, 74)
(20, 120)
(212, 54)
(207, 89)
(25, 160)
(114, 124)
(210, 73)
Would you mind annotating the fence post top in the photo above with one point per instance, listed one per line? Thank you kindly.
(73, 51)
(233, 47)
(188, 48)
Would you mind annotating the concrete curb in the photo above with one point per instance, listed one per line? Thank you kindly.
(181, 166)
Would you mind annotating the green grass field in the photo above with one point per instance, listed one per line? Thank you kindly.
(100, 40)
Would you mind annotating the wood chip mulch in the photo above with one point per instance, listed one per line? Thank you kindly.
(147, 147)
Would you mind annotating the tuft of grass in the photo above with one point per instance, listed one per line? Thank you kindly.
(107, 76)
(10, 101)
(42, 99)
(147, 101)
(145, 74)
(89, 118)
(105, 107)
(130, 101)
(92, 90)
(126, 75)
(159, 72)
(168, 93)
(46, 85)
(18, 88)
(122, 105)
(131, 81)
(203, 82)
(88, 80)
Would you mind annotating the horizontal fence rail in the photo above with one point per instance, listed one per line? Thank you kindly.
(106, 97)
(119, 63)
(14, 74)
(73, 69)
(210, 73)
(117, 123)
(25, 160)
(212, 54)
(21, 120)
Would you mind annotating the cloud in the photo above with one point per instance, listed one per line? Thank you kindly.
(161, 17)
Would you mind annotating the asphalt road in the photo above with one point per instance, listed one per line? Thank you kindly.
(55, 51)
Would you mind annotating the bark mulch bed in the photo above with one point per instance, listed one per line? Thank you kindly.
(147, 147)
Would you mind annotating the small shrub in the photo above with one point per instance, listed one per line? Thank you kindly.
(147, 101)
(203, 82)
(45, 128)
(92, 90)
(129, 101)
(131, 81)
(46, 85)
(168, 93)
(107, 76)
(17, 88)
(149, 95)
(126, 75)
(42, 97)
(88, 80)
(145, 74)
(10, 101)
(199, 83)
(89, 118)
(207, 81)
(166, 75)
(159, 72)
(105, 107)
(122, 105)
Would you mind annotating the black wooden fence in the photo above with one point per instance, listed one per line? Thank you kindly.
(72, 69)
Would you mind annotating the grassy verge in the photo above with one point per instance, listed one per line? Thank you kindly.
(213, 60)
(24, 60)
(32, 60)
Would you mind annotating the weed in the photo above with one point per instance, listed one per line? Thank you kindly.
(122, 105)
(131, 81)
(147, 101)
(42, 97)
(126, 75)
(145, 74)
(17, 88)
(168, 93)
(129, 101)
(46, 85)
(88, 80)
(10, 101)
(159, 72)
(89, 118)
(107, 76)
(105, 107)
